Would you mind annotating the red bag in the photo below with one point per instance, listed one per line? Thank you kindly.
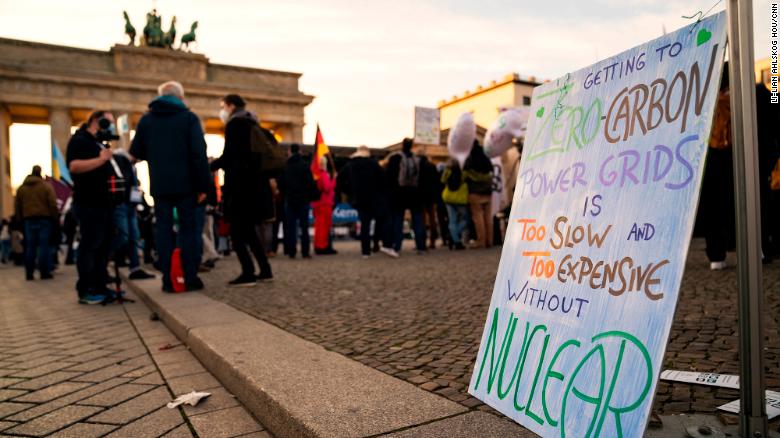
(177, 273)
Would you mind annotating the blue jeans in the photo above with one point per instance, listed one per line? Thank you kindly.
(189, 235)
(92, 261)
(126, 225)
(37, 232)
(417, 226)
(458, 215)
(296, 217)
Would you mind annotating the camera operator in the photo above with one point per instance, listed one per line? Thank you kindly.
(90, 164)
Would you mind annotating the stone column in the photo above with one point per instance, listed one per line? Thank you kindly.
(60, 123)
(6, 198)
(291, 132)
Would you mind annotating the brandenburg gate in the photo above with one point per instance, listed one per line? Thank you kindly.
(60, 86)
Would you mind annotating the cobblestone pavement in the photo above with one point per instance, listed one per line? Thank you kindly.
(420, 318)
(71, 370)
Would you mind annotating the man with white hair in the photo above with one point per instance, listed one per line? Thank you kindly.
(170, 138)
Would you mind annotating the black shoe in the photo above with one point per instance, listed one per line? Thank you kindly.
(29, 277)
(306, 256)
(46, 276)
(194, 285)
(140, 274)
(167, 288)
(244, 280)
(459, 246)
(265, 276)
(291, 256)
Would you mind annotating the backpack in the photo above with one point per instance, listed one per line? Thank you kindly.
(265, 148)
(409, 172)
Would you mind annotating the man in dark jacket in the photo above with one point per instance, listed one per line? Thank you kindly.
(363, 180)
(247, 192)
(36, 206)
(298, 188)
(403, 180)
(89, 164)
(170, 138)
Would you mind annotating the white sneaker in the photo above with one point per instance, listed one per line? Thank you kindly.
(718, 266)
(390, 252)
(365, 257)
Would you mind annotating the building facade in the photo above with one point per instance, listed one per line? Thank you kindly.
(485, 102)
(60, 86)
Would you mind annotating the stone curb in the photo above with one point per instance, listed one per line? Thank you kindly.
(296, 388)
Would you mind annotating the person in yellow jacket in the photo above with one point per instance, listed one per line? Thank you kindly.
(456, 198)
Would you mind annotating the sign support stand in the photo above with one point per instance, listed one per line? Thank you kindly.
(753, 419)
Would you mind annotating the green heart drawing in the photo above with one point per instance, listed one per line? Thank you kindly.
(540, 112)
(703, 36)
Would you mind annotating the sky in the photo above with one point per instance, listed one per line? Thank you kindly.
(369, 63)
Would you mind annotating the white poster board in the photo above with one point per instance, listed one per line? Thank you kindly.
(772, 405)
(598, 237)
(426, 126)
(709, 379)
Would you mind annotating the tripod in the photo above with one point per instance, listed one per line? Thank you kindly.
(118, 296)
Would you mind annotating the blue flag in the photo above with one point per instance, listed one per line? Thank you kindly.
(59, 169)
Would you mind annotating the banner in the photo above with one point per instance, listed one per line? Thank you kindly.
(598, 237)
(426, 125)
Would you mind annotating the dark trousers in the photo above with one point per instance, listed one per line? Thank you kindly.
(295, 217)
(418, 227)
(366, 216)
(244, 235)
(37, 232)
(717, 203)
(96, 225)
(189, 234)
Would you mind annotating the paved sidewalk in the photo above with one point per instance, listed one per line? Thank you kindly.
(71, 370)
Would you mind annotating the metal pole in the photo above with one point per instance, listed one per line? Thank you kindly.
(753, 419)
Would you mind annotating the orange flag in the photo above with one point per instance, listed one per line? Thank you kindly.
(320, 150)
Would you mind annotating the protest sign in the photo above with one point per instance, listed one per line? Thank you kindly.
(598, 237)
(426, 125)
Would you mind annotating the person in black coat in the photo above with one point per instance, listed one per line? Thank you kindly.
(247, 193)
(298, 189)
(363, 181)
(170, 138)
(404, 196)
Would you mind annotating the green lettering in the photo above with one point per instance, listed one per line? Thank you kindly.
(520, 369)
(528, 411)
(596, 401)
(554, 375)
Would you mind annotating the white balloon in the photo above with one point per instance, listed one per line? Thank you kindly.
(511, 123)
(462, 137)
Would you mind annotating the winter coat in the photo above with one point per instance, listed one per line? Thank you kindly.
(478, 172)
(35, 199)
(327, 187)
(401, 197)
(247, 192)
(169, 137)
(454, 197)
(296, 182)
(363, 180)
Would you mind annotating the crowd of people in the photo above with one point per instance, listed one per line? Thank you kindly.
(194, 221)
